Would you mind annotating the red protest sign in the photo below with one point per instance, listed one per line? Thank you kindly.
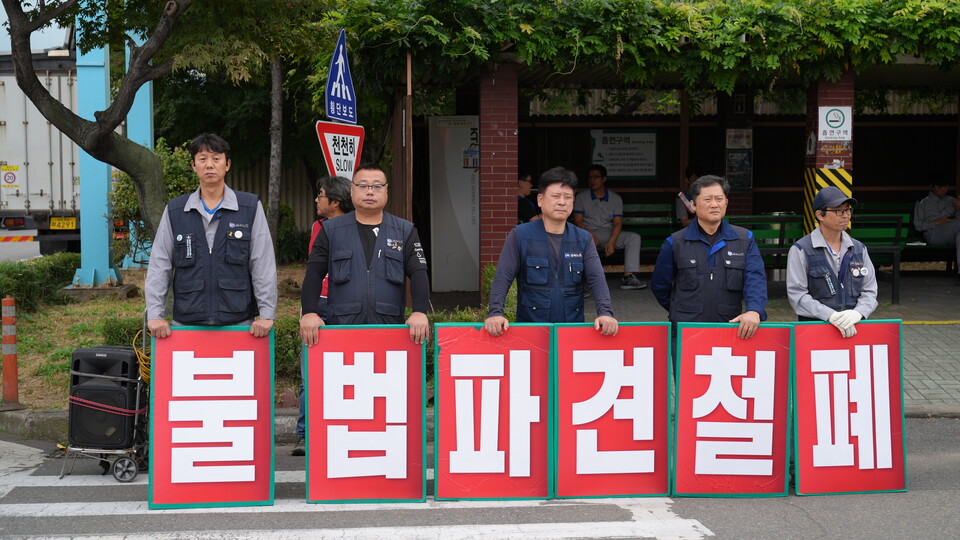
(732, 411)
(492, 438)
(211, 418)
(849, 424)
(365, 415)
(612, 398)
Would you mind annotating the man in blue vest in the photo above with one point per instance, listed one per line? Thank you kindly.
(368, 254)
(711, 270)
(551, 261)
(829, 274)
(214, 246)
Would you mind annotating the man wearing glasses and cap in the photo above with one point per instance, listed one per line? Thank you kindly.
(829, 274)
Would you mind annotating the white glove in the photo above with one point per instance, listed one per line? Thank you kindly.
(848, 318)
(848, 332)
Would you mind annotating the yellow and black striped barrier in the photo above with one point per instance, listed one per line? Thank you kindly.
(816, 179)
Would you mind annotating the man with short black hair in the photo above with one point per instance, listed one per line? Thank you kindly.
(213, 247)
(599, 211)
(830, 276)
(550, 261)
(711, 270)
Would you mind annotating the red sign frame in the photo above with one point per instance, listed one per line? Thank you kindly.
(329, 155)
(706, 435)
(587, 363)
(201, 389)
(352, 342)
(819, 369)
(476, 381)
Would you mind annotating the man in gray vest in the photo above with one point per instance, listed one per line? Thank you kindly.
(710, 270)
(829, 274)
(214, 246)
(368, 254)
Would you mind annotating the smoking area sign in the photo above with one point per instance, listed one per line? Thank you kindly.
(836, 124)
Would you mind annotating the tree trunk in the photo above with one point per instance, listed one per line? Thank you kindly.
(276, 146)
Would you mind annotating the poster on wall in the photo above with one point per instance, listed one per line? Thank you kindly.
(739, 158)
(211, 418)
(612, 410)
(454, 203)
(628, 154)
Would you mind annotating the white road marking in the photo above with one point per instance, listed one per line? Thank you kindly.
(651, 518)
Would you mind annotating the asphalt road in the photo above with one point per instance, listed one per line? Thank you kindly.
(34, 504)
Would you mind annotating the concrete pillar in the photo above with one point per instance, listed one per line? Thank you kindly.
(498, 159)
(829, 147)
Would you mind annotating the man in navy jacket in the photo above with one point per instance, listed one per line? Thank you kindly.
(711, 270)
(551, 260)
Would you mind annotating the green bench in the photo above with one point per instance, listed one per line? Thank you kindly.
(653, 222)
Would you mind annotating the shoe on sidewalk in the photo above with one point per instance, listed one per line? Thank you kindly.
(630, 282)
(298, 448)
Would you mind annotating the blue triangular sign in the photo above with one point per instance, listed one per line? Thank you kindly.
(341, 99)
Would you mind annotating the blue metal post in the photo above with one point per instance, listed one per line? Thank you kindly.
(93, 87)
(139, 130)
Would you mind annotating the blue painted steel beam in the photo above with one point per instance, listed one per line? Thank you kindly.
(139, 130)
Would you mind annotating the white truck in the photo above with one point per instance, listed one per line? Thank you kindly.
(39, 166)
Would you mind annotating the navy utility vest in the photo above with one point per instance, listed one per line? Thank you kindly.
(705, 292)
(837, 292)
(213, 287)
(546, 293)
(361, 295)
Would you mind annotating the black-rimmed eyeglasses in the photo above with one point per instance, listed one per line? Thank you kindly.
(367, 187)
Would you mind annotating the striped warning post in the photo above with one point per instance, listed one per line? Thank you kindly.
(816, 179)
(17, 238)
(10, 376)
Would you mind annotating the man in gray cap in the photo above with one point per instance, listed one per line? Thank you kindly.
(829, 274)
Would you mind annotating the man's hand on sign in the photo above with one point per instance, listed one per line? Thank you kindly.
(309, 325)
(159, 328)
(419, 326)
(261, 327)
(607, 326)
(496, 325)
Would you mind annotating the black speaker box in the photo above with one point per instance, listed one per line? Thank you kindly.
(89, 426)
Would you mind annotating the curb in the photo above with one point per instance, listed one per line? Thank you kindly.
(53, 425)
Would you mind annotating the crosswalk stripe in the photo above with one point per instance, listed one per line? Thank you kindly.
(651, 518)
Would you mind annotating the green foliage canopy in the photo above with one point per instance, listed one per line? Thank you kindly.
(731, 42)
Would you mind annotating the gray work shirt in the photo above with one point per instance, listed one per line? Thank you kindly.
(798, 295)
(930, 209)
(598, 213)
(263, 265)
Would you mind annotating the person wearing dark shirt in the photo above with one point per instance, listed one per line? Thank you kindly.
(368, 253)
(551, 261)
(526, 209)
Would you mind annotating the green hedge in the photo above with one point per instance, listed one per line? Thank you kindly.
(38, 281)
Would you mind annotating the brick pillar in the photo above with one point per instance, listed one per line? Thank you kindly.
(828, 162)
(498, 159)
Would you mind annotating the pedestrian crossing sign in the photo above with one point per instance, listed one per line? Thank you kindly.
(341, 100)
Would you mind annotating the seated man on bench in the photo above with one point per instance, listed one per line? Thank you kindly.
(936, 217)
(600, 212)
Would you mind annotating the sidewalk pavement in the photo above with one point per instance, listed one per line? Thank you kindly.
(929, 308)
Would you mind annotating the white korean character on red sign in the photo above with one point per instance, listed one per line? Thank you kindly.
(349, 391)
(488, 369)
(756, 432)
(837, 394)
(638, 409)
(213, 441)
